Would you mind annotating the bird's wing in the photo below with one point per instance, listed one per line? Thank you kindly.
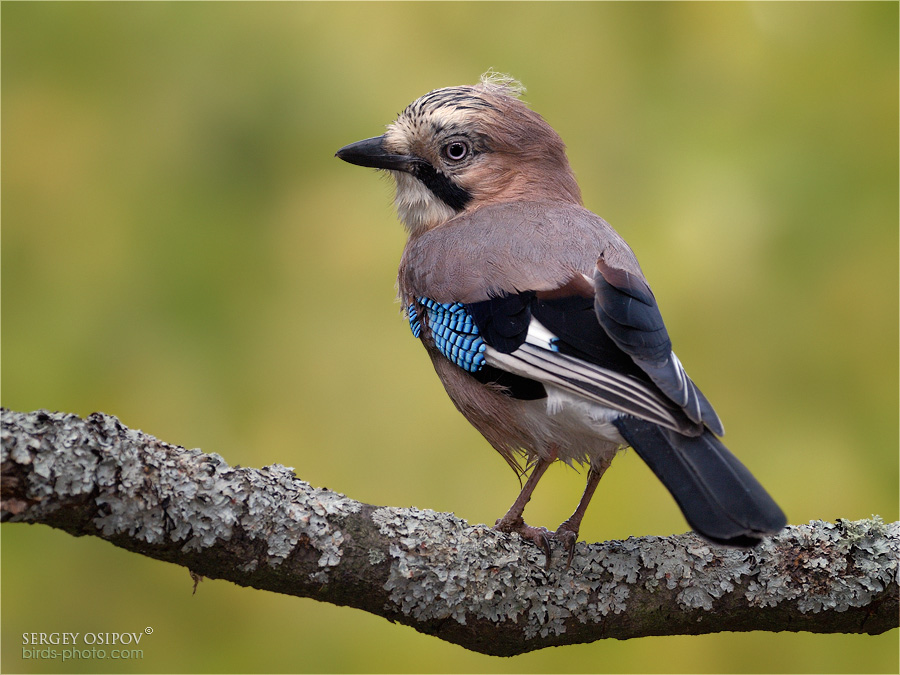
(563, 345)
(521, 339)
(628, 312)
(507, 288)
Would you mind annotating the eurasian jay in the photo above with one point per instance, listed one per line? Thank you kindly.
(538, 318)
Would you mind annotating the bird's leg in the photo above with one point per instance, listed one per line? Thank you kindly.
(567, 533)
(513, 521)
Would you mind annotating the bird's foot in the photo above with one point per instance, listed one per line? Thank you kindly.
(567, 535)
(540, 536)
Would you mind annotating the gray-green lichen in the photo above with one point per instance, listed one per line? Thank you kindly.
(442, 568)
(828, 566)
(155, 492)
(701, 572)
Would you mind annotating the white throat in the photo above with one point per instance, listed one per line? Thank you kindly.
(417, 206)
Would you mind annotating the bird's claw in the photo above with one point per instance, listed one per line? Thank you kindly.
(567, 538)
(541, 537)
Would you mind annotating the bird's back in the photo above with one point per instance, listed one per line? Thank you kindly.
(508, 248)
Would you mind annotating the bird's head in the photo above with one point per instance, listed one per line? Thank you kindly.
(460, 148)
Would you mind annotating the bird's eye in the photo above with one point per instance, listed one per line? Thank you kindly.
(456, 150)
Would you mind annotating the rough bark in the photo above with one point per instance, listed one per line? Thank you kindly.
(487, 591)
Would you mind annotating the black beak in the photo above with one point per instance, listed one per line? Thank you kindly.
(371, 153)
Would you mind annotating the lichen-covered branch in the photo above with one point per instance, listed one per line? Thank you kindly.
(469, 585)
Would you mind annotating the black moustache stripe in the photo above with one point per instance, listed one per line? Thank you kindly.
(441, 186)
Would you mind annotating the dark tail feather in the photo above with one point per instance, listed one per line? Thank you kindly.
(718, 496)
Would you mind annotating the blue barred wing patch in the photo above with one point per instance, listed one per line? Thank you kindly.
(414, 324)
(453, 330)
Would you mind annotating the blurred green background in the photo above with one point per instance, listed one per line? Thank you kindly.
(181, 249)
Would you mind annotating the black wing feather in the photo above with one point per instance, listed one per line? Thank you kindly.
(503, 320)
(503, 324)
(627, 310)
(573, 321)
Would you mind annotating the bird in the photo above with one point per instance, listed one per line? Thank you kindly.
(538, 319)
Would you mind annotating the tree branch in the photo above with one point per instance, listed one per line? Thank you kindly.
(470, 585)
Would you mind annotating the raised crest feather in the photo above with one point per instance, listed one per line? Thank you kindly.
(502, 83)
